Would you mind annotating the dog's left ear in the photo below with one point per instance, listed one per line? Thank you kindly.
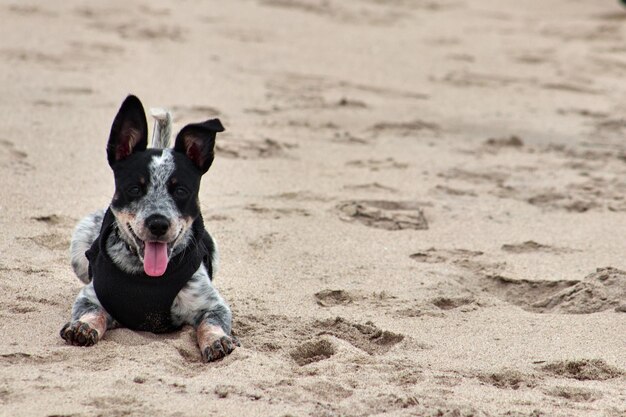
(197, 142)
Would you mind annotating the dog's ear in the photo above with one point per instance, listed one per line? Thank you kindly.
(129, 132)
(197, 142)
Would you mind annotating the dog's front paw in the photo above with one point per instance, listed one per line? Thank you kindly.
(220, 348)
(79, 333)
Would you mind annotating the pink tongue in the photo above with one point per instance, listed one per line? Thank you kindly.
(155, 258)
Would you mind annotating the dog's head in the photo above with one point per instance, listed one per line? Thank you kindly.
(156, 190)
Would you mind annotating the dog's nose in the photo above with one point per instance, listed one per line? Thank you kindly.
(157, 224)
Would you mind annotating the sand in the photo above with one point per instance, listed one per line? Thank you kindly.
(420, 204)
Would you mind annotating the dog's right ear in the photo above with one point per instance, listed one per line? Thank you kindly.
(129, 132)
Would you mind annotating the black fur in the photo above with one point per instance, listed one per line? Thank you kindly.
(197, 142)
(129, 132)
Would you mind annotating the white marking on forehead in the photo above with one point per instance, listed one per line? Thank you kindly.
(158, 200)
(161, 168)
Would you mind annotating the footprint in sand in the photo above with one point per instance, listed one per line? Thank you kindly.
(403, 129)
(433, 256)
(313, 351)
(366, 336)
(469, 260)
(382, 214)
(522, 292)
(435, 307)
(264, 241)
(575, 394)
(599, 291)
(560, 201)
(508, 379)
(270, 333)
(382, 301)
(451, 303)
(276, 333)
(602, 290)
(583, 369)
(329, 298)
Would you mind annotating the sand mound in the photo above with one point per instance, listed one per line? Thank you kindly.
(599, 291)
(583, 369)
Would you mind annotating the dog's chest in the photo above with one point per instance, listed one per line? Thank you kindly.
(138, 301)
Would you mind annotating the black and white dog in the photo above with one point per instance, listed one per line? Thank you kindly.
(147, 260)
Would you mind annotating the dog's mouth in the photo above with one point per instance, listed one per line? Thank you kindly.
(154, 254)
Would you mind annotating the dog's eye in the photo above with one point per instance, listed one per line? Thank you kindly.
(181, 192)
(134, 191)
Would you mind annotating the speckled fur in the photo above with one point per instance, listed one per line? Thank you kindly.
(198, 304)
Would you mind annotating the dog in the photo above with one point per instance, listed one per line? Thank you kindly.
(147, 261)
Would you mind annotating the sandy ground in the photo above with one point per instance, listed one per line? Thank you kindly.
(420, 204)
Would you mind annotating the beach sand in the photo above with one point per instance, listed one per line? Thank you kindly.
(420, 205)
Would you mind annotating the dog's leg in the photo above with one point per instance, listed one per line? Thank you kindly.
(214, 341)
(200, 305)
(89, 320)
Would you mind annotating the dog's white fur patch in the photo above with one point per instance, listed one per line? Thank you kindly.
(85, 233)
